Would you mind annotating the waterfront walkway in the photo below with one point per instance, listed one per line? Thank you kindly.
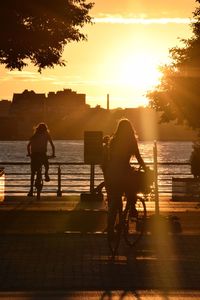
(57, 248)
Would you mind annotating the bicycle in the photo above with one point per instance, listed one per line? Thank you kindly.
(39, 178)
(132, 227)
(38, 182)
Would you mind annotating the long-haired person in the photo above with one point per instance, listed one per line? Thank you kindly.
(37, 150)
(119, 175)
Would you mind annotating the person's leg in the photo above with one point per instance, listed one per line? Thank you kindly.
(131, 192)
(114, 189)
(132, 198)
(114, 204)
(30, 193)
(46, 166)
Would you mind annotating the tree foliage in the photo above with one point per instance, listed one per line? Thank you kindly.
(38, 30)
(178, 94)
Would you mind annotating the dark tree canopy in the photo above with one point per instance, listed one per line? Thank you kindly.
(178, 94)
(38, 30)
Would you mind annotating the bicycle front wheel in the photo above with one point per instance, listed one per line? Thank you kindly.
(134, 226)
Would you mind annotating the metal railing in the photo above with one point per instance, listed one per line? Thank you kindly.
(75, 178)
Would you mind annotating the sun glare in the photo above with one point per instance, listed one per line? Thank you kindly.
(140, 71)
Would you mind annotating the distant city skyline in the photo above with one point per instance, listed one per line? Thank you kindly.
(125, 45)
(62, 91)
(68, 116)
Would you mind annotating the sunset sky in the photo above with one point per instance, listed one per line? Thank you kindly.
(129, 39)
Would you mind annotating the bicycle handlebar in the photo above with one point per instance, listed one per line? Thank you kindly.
(141, 168)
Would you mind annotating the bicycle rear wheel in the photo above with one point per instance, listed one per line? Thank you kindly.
(134, 227)
(114, 232)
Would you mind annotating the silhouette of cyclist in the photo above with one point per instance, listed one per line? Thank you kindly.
(37, 150)
(119, 175)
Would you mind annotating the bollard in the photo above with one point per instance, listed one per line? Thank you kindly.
(2, 184)
(158, 224)
(157, 209)
(59, 191)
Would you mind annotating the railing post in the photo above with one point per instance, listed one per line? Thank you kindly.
(156, 178)
(59, 191)
(92, 170)
(2, 184)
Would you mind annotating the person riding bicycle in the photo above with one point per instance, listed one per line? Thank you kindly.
(119, 175)
(37, 150)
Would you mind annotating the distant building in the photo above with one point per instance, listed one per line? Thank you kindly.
(4, 108)
(64, 102)
(28, 105)
(8, 128)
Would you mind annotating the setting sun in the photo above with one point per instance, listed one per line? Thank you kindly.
(140, 70)
(130, 74)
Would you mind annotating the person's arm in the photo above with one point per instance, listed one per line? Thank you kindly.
(139, 157)
(52, 145)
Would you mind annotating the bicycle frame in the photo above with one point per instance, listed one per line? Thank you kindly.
(134, 226)
(122, 223)
(38, 183)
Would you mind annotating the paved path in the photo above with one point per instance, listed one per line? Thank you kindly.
(39, 257)
(82, 262)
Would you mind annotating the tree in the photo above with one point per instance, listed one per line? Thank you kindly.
(178, 94)
(38, 30)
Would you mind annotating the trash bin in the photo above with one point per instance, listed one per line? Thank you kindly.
(93, 154)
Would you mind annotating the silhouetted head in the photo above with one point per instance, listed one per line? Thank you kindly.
(41, 128)
(124, 129)
(123, 140)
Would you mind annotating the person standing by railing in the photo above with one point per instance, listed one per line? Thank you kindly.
(37, 150)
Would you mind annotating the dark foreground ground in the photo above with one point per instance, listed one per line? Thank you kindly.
(41, 255)
(82, 262)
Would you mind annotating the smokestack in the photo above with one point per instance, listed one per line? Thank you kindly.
(108, 102)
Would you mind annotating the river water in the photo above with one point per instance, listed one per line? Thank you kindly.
(72, 152)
